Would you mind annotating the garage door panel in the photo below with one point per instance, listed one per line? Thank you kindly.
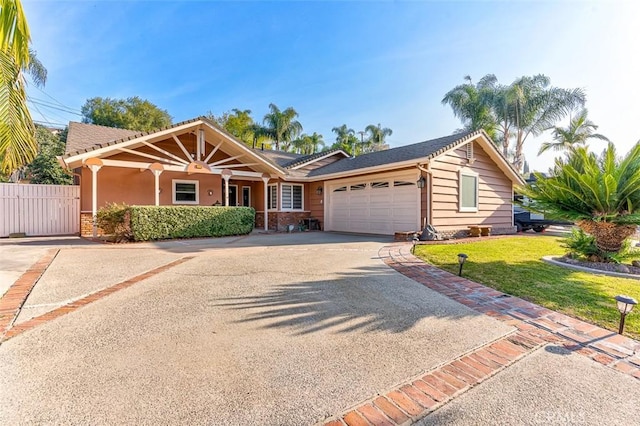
(376, 209)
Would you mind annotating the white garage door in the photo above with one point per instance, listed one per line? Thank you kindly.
(381, 204)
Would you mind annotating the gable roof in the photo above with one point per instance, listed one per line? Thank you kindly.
(420, 151)
(281, 158)
(394, 155)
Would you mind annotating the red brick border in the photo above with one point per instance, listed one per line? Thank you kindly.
(604, 346)
(11, 302)
(537, 326)
(77, 304)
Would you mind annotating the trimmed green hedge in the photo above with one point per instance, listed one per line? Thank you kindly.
(167, 222)
(144, 223)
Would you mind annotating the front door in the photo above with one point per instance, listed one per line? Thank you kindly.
(246, 196)
(233, 195)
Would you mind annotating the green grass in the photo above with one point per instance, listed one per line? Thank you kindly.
(513, 265)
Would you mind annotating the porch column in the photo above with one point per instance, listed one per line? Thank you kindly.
(265, 179)
(94, 165)
(156, 169)
(226, 175)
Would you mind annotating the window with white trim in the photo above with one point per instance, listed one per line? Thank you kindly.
(291, 196)
(272, 197)
(185, 191)
(468, 191)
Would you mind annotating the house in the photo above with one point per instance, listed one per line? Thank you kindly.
(451, 182)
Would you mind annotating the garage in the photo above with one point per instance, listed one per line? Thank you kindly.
(374, 204)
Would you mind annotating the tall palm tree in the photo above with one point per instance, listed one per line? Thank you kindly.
(281, 126)
(535, 106)
(376, 138)
(345, 138)
(472, 104)
(308, 144)
(578, 132)
(18, 145)
(600, 193)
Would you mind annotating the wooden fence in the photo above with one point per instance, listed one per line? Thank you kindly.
(37, 210)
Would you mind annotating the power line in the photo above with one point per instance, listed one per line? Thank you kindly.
(52, 98)
(50, 123)
(47, 103)
(68, 111)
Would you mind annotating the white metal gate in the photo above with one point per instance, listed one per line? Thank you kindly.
(39, 209)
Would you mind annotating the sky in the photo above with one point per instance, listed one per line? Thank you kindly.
(350, 62)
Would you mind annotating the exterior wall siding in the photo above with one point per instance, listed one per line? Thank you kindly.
(494, 194)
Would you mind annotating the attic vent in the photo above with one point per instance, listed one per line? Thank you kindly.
(469, 150)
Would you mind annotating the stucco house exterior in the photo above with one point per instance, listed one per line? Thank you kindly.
(451, 182)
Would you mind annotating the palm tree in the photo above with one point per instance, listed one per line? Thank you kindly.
(600, 193)
(281, 126)
(376, 138)
(308, 144)
(18, 144)
(579, 131)
(534, 106)
(472, 104)
(345, 139)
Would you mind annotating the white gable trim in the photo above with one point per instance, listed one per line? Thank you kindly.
(306, 163)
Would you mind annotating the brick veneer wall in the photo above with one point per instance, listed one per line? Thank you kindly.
(86, 225)
(278, 221)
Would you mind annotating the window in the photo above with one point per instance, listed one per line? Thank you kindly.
(375, 185)
(185, 191)
(272, 200)
(468, 190)
(358, 186)
(403, 183)
(291, 197)
(341, 189)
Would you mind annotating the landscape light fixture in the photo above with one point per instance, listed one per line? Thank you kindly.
(461, 259)
(625, 306)
(421, 182)
(319, 190)
(415, 241)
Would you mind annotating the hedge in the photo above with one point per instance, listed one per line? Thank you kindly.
(167, 222)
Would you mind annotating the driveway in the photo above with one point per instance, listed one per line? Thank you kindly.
(263, 329)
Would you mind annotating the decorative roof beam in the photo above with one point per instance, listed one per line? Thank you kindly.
(153, 157)
(167, 153)
(206, 160)
(186, 153)
(226, 160)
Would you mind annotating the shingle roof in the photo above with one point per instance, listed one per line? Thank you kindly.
(310, 157)
(82, 136)
(418, 150)
(281, 158)
(94, 132)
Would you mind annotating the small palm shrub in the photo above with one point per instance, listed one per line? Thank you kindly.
(583, 246)
(601, 194)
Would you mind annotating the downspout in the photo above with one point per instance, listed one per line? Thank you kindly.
(428, 185)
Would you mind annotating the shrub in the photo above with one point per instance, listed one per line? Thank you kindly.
(114, 220)
(166, 222)
(583, 245)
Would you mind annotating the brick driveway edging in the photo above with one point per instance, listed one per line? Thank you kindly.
(536, 327)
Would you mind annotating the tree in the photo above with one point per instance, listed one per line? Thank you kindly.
(45, 169)
(132, 113)
(473, 104)
(281, 126)
(535, 106)
(528, 106)
(308, 144)
(17, 132)
(376, 138)
(600, 193)
(240, 124)
(578, 132)
(345, 139)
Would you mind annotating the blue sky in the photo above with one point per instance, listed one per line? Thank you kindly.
(357, 63)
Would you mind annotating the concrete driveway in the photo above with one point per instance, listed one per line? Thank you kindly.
(263, 329)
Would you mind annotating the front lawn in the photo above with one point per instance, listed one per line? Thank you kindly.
(513, 265)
